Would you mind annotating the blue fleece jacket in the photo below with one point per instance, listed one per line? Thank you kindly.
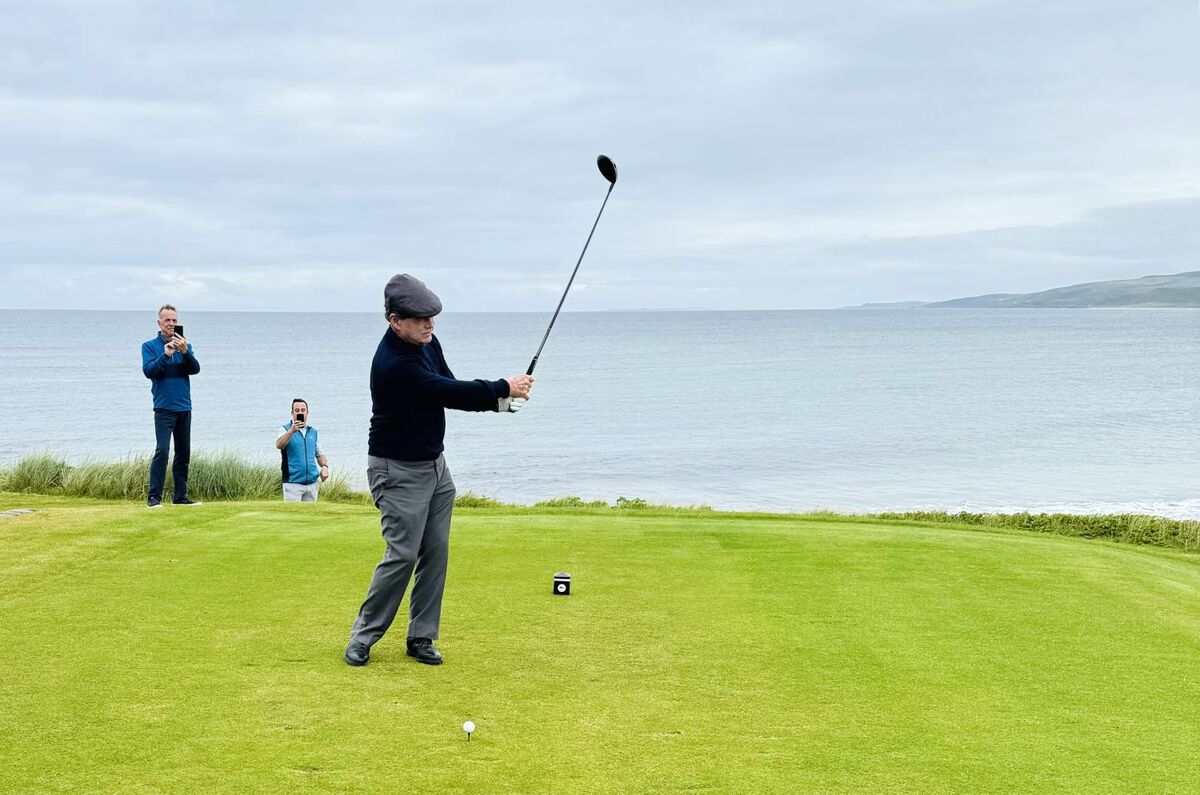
(168, 375)
(411, 387)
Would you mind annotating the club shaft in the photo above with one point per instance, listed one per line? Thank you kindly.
(571, 281)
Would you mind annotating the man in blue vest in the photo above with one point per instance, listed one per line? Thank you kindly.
(304, 466)
(168, 360)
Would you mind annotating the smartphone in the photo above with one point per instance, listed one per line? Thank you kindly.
(179, 330)
(300, 418)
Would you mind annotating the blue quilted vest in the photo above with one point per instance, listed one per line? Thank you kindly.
(300, 458)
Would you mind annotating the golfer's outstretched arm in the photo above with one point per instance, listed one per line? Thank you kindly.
(451, 393)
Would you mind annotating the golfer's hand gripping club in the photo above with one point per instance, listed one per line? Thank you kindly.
(518, 393)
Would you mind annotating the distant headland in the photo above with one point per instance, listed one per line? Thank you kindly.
(1180, 290)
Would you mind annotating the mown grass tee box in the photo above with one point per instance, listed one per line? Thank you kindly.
(200, 650)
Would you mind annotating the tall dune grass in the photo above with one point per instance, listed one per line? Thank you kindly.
(124, 480)
(37, 474)
(211, 476)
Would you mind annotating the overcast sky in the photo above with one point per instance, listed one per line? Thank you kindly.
(294, 155)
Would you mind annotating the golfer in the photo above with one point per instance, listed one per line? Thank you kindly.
(411, 388)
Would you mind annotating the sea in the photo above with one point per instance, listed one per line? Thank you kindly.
(1083, 411)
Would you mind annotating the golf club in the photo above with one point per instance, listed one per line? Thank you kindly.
(609, 169)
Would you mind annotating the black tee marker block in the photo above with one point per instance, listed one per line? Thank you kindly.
(562, 584)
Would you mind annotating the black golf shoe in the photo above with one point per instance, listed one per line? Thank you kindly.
(186, 501)
(357, 654)
(154, 502)
(422, 650)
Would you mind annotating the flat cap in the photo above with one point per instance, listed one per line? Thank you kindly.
(407, 296)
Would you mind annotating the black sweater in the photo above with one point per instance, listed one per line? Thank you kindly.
(411, 387)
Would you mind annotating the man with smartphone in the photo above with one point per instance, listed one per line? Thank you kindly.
(168, 361)
(304, 466)
(411, 388)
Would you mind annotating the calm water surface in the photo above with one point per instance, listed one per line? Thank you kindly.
(1081, 410)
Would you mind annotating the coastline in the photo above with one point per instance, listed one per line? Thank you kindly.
(228, 479)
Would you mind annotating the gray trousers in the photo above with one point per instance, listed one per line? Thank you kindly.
(415, 500)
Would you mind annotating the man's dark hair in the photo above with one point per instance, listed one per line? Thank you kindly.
(299, 400)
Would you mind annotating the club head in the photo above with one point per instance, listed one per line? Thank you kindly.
(608, 168)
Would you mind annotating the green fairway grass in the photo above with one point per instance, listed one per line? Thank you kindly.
(199, 650)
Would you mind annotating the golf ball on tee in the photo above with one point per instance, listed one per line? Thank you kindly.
(469, 726)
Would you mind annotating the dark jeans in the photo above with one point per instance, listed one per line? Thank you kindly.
(167, 424)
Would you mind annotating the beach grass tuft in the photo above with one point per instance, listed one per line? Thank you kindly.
(1156, 531)
(621, 504)
(469, 499)
(41, 473)
(571, 502)
(119, 480)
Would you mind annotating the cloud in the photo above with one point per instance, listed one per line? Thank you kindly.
(1108, 243)
(801, 146)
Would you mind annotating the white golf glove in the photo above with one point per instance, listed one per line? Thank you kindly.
(510, 405)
